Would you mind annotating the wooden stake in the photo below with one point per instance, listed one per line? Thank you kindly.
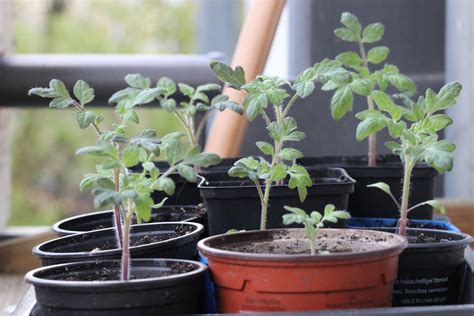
(251, 52)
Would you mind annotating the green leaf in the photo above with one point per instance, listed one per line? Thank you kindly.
(167, 185)
(84, 119)
(381, 186)
(361, 87)
(300, 179)
(146, 96)
(402, 82)
(123, 94)
(256, 105)
(148, 166)
(168, 85)
(341, 102)
(138, 81)
(290, 154)
(351, 22)
(385, 103)
(372, 122)
(437, 206)
(303, 84)
(59, 88)
(209, 87)
(235, 78)
(187, 172)
(440, 121)
(395, 128)
(131, 156)
(446, 97)
(106, 198)
(346, 34)
(160, 205)
(168, 104)
(204, 160)
(221, 102)
(265, 148)
(349, 59)
(143, 204)
(186, 89)
(377, 55)
(278, 172)
(280, 131)
(83, 92)
(373, 33)
(102, 150)
(439, 155)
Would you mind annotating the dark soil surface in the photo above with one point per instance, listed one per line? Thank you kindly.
(328, 242)
(422, 238)
(113, 273)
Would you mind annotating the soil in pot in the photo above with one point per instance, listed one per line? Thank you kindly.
(430, 268)
(99, 220)
(272, 270)
(370, 202)
(157, 286)
(155, 240)
(233, 203)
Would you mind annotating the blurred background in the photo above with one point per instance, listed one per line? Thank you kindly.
(432, 41)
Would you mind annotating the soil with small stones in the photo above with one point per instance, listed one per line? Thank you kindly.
(140, 240)
(108, 274)
(295, 243)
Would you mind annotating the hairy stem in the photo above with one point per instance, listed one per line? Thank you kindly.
(117, 213)
(186, 125)
(202, 124)
(372, 154)
(266, 194)
(126, 244)
(408, 168)
(289, 105)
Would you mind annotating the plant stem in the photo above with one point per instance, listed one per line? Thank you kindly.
(372, 154)
(408, 168)
(117, 213)
(126, 244)
(189, 131)
(268, 185)
(81, 108)
(201, 125)
(289, 105)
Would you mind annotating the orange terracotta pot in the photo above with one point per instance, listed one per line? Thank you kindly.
(297, 282)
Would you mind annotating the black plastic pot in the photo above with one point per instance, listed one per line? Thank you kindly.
(233, 203)
(431, 273)
(156, 288)
(370, 222)
(105, 219)
(371, 202)
(102, 244)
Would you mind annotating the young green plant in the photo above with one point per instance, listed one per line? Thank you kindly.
(113, 184)
(415, 128)
(363, 81)
(314, 221)
(196, 101)
(272, 92)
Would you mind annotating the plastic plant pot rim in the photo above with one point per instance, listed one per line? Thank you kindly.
(41, 253)
(31, 277)
(58, 229)
(208, 251)
(347, 180)
(466, 239)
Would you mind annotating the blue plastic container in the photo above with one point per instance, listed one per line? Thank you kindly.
(208, 300)
(360, 222)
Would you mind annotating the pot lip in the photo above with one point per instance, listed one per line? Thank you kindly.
(347, 180)
(31, 278)
(210, 251)
(56, 227)
(381, 165)
(466, 238)
(49, 254)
